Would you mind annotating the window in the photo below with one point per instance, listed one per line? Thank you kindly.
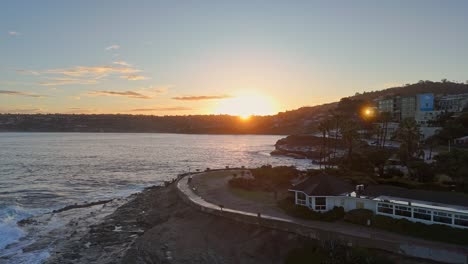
(402, 210)
(385, 208)
(461, 220)
(301, 198)
(441, 217)
(320, 203)
(422, 214)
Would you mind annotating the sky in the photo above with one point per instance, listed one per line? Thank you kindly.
(216, 57)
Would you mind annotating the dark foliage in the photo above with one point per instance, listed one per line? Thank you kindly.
(359, 216)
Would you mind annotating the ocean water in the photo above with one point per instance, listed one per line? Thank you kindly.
(40, 172)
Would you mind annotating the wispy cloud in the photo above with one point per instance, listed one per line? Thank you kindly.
(22, 111)
(65, 81)
(156, 89)
(79, 110)
(93, 71)
(88, 74)
(27, 72)
(19, 93)
(113, 47)
(201, 97)
(129, 94)
(122, 63)
(134, 77)
(157, 109)
(14, 33)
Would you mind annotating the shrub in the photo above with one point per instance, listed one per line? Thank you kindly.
(393, 172)
(431, 232)
(359, 216)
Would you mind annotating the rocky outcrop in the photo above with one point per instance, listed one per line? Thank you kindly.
(299, 147)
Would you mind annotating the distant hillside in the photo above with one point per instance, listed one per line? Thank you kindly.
(299, 121)
(443, 87)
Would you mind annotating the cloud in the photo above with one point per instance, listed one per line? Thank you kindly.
(93, 71)
(201, 97)
(27, 72)
(157, 89)
(129, 94)
(18, 93)
(155, 109)
(113, 47)
(64, 81)
(23, 111)
(14, 33)
(133, 77)
(122, 63)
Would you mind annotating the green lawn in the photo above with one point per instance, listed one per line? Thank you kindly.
(254, 196)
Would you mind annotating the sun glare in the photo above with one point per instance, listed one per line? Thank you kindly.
(246, 106)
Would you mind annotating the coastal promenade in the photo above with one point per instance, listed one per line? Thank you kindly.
(211, 197)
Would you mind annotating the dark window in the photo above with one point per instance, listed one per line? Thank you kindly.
(385, 208)
(422, 214)
(442, 217)
(461, 220)
(320, 203)
(301, 196)
(403, 211)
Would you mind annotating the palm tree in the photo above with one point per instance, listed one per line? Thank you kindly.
(385, 117)
(349, 134)
(337, 119)
(409, 135)
(324, 128)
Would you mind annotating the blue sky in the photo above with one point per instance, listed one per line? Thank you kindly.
(189, 57)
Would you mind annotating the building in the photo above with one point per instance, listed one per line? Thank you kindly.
(408, 107)
(425, 102)
(324, 192)
(392, 106)
(453, 103)
(461, 141)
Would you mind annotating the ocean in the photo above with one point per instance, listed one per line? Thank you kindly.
(40, 172)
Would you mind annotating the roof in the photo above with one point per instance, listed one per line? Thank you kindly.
(434, 197)
(323, 185)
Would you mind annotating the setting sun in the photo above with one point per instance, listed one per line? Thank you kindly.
(245, 106)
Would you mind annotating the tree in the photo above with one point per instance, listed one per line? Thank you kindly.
(409, 135)
(378, 158)
(349, 134)
(385, 118)
(324, 127)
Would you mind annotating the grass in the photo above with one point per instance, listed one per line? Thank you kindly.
(254, 196)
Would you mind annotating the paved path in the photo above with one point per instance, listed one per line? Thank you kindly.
(214, 192)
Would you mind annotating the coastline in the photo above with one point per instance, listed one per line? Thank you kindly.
(157, 226)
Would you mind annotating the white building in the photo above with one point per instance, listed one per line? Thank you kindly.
(324, 192)
(453, 103)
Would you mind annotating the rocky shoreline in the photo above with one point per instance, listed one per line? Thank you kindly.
(156, 226)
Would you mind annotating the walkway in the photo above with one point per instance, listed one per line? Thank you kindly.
(214, 189)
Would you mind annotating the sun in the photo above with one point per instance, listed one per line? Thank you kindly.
(246, 106)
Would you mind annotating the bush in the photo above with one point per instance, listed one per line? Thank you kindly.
(393, 172)
(435, 232)
(288, 206)
(359, 216)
